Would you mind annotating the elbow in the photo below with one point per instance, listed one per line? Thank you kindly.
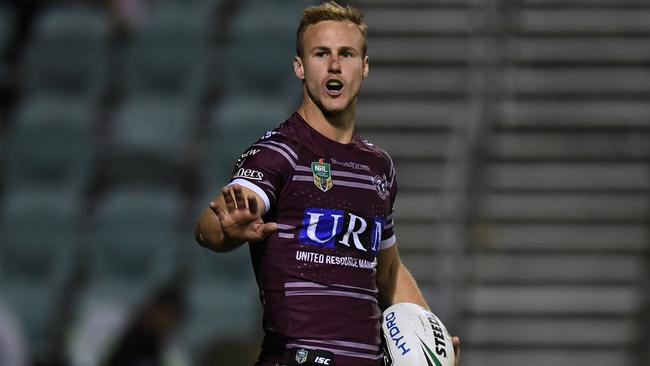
(203, 240)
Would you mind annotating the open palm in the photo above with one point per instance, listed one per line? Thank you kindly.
(241, 220)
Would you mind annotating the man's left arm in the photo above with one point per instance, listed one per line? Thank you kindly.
(396, 284)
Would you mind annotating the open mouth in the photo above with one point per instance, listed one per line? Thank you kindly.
(334, 86)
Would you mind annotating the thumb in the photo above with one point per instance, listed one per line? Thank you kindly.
(269, 228)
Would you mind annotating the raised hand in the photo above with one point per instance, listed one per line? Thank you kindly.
(241, 219)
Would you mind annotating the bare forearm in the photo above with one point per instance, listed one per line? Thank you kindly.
(395, 282)
(406, 289)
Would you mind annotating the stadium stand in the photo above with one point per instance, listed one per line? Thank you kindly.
(68, 54)
(554, 184)
(518, 128)
(150, 141)
(40, 236)
(165, 58)
(131, 250)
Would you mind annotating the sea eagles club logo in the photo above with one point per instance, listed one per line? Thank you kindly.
(381, 185)
(322, 175)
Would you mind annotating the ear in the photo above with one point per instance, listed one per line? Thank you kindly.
(365, 67)
(298, 68)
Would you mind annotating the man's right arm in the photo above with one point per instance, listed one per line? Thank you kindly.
(232, 218)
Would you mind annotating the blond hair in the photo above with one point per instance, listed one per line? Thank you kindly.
(330, 11)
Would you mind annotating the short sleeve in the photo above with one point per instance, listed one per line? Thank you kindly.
(265, 166)
(388, 237)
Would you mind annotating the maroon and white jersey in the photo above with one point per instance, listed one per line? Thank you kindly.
(333, 204)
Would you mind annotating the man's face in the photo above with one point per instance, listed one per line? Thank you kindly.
(332, 65)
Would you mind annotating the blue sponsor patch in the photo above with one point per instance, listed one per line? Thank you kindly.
(329, 228)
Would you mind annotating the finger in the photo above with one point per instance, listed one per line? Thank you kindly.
(269, 228)
(214, 208)
(456, 342)
(252, 204)
(240, 201)
(227, 196)
(262, 231)
(221, 214)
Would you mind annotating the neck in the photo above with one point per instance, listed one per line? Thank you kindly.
(339, 127)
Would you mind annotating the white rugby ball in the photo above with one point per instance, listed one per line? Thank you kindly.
(414, 336)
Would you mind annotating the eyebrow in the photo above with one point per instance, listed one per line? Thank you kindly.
(344, 48)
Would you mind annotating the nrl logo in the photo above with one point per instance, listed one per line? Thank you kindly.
(322, 175)
(301, 356)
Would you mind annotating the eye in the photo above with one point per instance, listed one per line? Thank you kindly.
(347, 53)
(320, 54)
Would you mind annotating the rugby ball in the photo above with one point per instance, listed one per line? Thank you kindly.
(413, 336)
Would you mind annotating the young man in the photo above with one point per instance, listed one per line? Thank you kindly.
(314, 202)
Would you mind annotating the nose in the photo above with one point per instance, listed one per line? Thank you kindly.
(334, 65)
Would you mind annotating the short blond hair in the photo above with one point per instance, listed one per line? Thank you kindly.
(330, 11)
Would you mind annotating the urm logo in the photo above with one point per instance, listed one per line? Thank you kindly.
(330, 228)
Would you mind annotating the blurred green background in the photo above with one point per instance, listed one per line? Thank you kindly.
(520, 130)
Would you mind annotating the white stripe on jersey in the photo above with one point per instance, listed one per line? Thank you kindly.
(282, 152)
(369, 347)
(308, 284)
(254, 188)
(355, 295)
(387, 243)
(339, 351)
(343, 183)
(338, 173)
(285, 146)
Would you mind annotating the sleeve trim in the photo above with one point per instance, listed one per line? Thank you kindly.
(387, 243)
(256, 189)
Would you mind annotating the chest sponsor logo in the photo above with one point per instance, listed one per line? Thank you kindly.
(351, 164)
(248, 174)
(322, 175)
(381, 186)
(329, 228)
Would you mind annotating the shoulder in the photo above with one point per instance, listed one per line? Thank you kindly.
(382, 155)
(278, 146)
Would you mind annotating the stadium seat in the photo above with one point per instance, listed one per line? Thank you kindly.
(570, 237)
(414, 20)
(594, 145)
(39, 238)
(262, 29)
(50, 146)
(510, 206)
(235, 124)
(133, 242)
(132, 249)
(574, 114)
(222, 290)
(576, 49)
(416, 81)
(553, 299)
(68, 54)
(413, 114)
(594, 176)
(165, 58)
(583, 81)
(583, 20)
(150, 139)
